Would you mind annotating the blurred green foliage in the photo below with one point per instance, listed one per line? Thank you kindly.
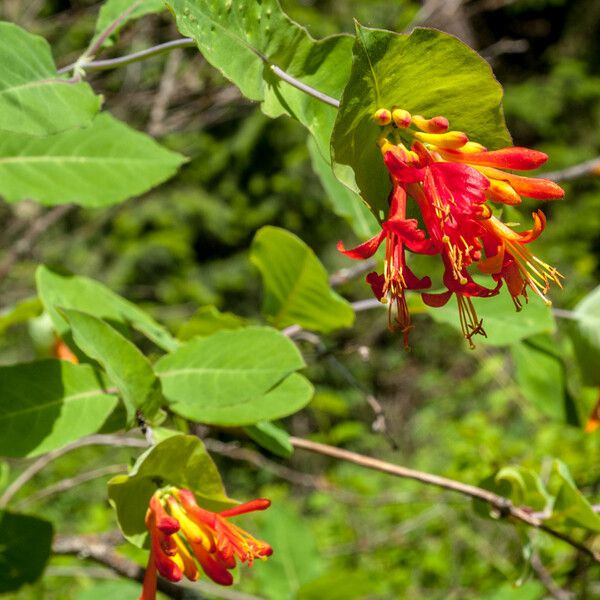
(463, 414)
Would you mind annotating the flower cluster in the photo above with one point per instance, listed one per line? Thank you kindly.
(184, 536)
(451, 179)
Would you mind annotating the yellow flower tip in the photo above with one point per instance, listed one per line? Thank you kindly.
(473, 147)
(434, 125)
(382, 117)
(401, 118)
(452, 140)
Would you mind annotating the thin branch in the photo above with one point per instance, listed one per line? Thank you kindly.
(70, 482)
(100, 549)
(589, 167)
(93, 440)
(304, 88)
(345, 275)
(547, 580)
(502, 506)
(28, 239)
(121, 61)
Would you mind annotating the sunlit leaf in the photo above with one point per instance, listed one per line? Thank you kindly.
(271, 437)
(33, 98)
(428, 73)
(47, 404)
(208, 320)
(94, 298)
(98, 165)
(296, 288)
(241, 39)
(181, 461)
(127, 368)
(235, 377)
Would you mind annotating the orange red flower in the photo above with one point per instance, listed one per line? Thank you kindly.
(451, 180)
(185, 538)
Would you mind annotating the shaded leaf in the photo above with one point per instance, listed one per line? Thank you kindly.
(20, 313)
(47, 404)
(24, 551)
(344, 202)
(296, 288)
(181, 461)
(99, 165)
(94, 298)
(236, 377)
(242, 38)
(527, 488)
(34, 100)
(428, 73)
(271, 437)
(584, 330)
(124, 364)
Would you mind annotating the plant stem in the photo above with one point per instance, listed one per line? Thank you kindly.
(503, 506)
(303, 87)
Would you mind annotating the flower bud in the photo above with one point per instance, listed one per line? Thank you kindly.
(382, 117)
(401, 118)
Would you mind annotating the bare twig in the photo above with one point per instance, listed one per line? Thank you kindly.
(547, 580)
(345, 275)
(70, 482)
(163, 97)
(304, 88)
(503, 507)
(92, 440)
(30, 236)
(589, 167)
(100, 549)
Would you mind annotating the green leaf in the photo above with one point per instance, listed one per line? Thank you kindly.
(181, 461)
(502, 323)
(209, 320)
(236, 377)
(571, 509)
(34, 100)
(20, 313)
(124, 364)
(24, 550)
(94, 298)
(271, 437)
(428, 73)
(242, 39)
(128, 10)
(527, 488)
(584, 331)
(100, 165)
(296, 290)
(540, 373)
(295, 559)
(344, 202)
(341, 584)
(47, 404)
(119, 589)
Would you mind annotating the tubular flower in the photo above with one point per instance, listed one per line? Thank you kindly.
(184, 537)
(451, 179)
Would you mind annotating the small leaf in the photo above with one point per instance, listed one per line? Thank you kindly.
(94, 298)
(99, 165)
(242, 39)
(344, 202)
(295, 282)
(527, 487)
(209, 320)
(502, 323)
(20, 313)
(272, 438)
(24, 551)
(129, 10)
(54, 402)
(34, 100)
(571, 508)
(540, 373)
(584, 330)
(181, 461)
(236, 377)
(428, 73)
(124, 364)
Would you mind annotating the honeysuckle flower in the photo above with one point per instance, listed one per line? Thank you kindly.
(185, 536)
(451, 179)
(399, 233)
